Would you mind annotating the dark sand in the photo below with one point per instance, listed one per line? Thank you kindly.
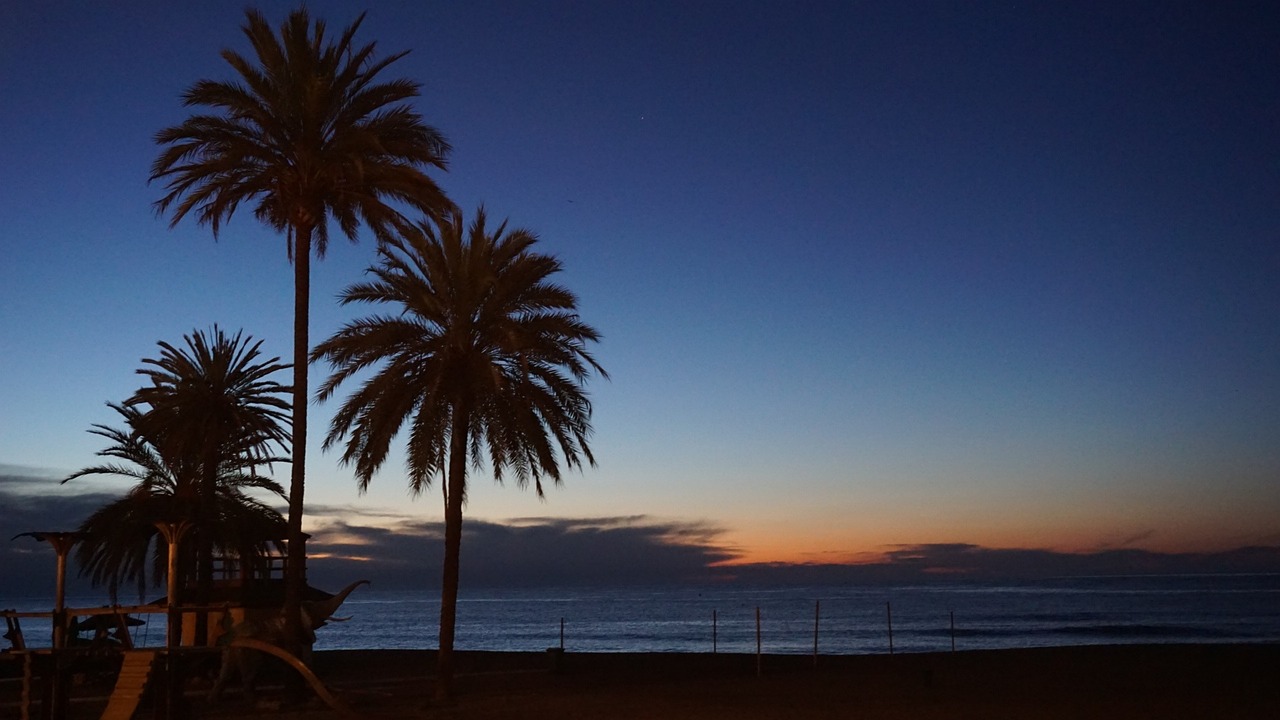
(1136, 681)
(1164, 681)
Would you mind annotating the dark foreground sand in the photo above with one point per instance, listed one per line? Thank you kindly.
(1151, 681)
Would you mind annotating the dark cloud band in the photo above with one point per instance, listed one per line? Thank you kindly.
(398, 551)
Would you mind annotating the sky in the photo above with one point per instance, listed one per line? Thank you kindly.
(877, 282)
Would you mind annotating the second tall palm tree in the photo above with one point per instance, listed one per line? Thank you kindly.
(482, 352)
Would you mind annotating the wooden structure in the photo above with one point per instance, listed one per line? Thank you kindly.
(238, 593)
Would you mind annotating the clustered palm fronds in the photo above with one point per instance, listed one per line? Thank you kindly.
(481, 340)
(308, 132)
(193, 443)
(214, 396)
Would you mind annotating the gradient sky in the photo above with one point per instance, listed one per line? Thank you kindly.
(870, 275)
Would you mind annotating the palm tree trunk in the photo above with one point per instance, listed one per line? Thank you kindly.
(296, 560)
(457, 483)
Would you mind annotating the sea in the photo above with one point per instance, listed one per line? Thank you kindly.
(797, 620)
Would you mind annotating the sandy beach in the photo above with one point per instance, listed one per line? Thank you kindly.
(1135, 681)
(1138, 681)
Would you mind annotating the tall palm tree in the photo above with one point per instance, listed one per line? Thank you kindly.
(308, 133)
(210, 401)
(482, 357)
(121, 543)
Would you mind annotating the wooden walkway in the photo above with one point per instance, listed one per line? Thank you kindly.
(134, 672)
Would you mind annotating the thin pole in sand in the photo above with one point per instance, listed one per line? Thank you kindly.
(817, 607)
(561, 634)
(713, 632)
(953, 631)
(888, 614)
(758, 671)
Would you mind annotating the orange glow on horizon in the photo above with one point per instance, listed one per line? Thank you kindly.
(340, 556)
(860, 549)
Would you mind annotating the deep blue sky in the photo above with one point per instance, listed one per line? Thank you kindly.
(869, 274)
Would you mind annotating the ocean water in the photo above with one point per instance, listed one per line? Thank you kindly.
(850, 620)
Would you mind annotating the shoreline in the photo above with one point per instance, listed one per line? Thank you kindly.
(1089, 681)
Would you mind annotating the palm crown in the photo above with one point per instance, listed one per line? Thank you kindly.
(213, 396)
(480, 334)
(307, 132)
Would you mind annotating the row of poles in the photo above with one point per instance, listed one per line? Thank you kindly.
(817, 618)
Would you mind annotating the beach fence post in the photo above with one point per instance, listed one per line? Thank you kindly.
(888, 614)
(713, 632)
(758, 668)
(555, 655)
(953, 631)
(817, 611)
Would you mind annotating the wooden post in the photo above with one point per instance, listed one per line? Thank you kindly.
(60, 596)
(817, 607)
(888, 614)
(758, 646)
(57, 689)
(562, 634)
(28, 683)
(953, 631)
(172, 684)
(713, 632)
(173, 624)
(173, 532)
(62, 542)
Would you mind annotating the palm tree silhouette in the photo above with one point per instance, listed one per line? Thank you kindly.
(120, 540)
(309, 134)
(481, 353)
(212, 399)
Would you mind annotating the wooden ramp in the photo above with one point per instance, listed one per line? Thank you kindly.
(134, 672)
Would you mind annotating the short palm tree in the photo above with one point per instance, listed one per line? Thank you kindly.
(308, 133)
(482, 357)
(209, 402)
(120, 540)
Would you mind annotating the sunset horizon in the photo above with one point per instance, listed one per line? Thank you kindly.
(869, 279)
(399, 550)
